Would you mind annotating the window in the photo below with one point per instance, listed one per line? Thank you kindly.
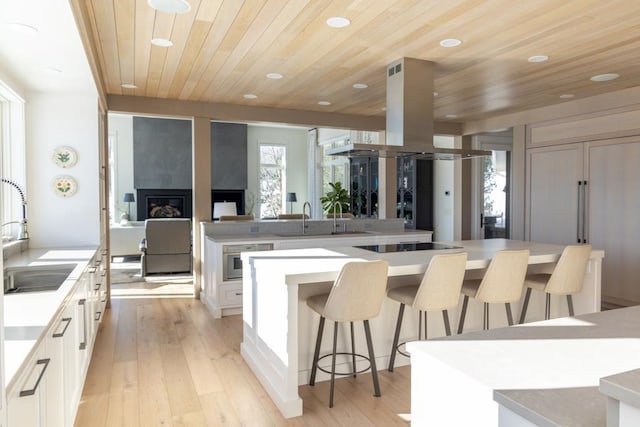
(12, 150)
(272, 180)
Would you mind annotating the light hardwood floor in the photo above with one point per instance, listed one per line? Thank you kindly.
(165, 361)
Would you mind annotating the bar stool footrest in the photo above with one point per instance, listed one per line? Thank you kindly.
(361, 356)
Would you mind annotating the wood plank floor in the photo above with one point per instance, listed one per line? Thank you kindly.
(165, 361)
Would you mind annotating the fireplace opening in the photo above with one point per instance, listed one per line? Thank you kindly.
(164, 204)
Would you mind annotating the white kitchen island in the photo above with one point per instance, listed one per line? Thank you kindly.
(279, 329)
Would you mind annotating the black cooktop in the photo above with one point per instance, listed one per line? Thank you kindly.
(407, 247)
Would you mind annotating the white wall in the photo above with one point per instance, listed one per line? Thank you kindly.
(295, 140)
(443, 193)
(121, 131)
(53, 120)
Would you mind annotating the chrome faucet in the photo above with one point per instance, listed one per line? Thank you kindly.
(23, 234)
(336, 204)
(304, 225)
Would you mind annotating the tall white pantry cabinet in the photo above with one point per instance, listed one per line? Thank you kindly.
(589, 192)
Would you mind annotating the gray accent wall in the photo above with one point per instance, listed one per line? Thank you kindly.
(162, 153)
(228, 156)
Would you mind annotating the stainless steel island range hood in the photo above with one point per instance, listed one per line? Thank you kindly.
(409, 130)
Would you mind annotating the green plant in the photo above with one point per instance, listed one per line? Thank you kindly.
(336, 195)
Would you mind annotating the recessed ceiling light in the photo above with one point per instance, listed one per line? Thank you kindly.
(22, 28)
(451, 116)
(450, 42)
(338, 22)
(325, 103)
(170, 6)
(538, 58)
(129, 86)
(567, 95)
(360, 86)
(435, 94)
(249, 96)
(274, 76)
(605, 77)
(162, 42)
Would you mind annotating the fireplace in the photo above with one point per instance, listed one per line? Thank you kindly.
(155, 203)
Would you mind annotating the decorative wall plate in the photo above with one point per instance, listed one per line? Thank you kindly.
(65, 186)
(65, 157)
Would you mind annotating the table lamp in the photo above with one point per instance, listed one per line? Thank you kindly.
(224, 209)
(128, 198)
(291, 197)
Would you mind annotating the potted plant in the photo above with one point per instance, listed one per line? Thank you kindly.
(337, 195)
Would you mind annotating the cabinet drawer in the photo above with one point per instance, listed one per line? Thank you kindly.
(230, 295)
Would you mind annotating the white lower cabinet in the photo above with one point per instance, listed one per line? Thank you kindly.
(27, 399)
(49, 385)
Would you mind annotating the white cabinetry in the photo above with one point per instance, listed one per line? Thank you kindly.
(27, 399)
(588, 192)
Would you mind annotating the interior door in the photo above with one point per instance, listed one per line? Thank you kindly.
(614, 214)
(555, 176)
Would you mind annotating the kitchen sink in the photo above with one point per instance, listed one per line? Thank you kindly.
(36, 278)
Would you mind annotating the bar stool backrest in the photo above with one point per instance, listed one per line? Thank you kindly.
(504, 279)
(357, 292)
(568, 275)
(441, 283)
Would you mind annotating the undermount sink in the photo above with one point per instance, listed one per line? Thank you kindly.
(36, 278)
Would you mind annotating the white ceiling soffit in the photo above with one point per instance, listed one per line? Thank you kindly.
(40, 48)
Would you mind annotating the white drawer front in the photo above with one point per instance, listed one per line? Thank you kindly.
(230, 295)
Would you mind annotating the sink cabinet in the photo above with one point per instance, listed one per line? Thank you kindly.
(47, 388)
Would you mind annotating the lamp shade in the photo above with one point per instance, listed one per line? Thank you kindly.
(224, 209)
(128, 197)
(291, 197)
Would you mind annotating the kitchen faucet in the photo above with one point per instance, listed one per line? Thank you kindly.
(23, 234)
(304, 225)
(336, 204)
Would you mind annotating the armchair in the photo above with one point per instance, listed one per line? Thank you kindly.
(166, 247)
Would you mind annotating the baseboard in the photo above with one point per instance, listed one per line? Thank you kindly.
(609, 303)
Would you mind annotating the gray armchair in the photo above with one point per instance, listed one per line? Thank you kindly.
(166, 247)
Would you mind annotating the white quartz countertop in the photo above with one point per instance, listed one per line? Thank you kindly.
(259, 237)
(533, 367)
(28, 315)
(479, 253)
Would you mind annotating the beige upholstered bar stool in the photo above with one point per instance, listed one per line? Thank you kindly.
(502, 283)
(567, 279)
(357, 294)
(439, 290)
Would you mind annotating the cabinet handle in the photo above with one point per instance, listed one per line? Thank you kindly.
(97, 316)
(92, 270)
(578, 215)
(584, 211)
(83, 344)
(31, 392)
(238, 293)
(61, 334)
(97, 286)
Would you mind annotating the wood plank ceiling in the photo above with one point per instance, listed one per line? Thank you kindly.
(223, 49)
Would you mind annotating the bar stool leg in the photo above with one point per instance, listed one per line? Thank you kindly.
(547, 307)
(396, 337)
(463, 313)
(316, 353)
(419, 325)
(425, 325)
(447, 326)
(527, 295)
(372, 357)
(333, 362)
(485, 323)
(353, 351)
(570, 305)
(507, 306)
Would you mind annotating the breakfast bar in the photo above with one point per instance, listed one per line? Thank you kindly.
(279, 329)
